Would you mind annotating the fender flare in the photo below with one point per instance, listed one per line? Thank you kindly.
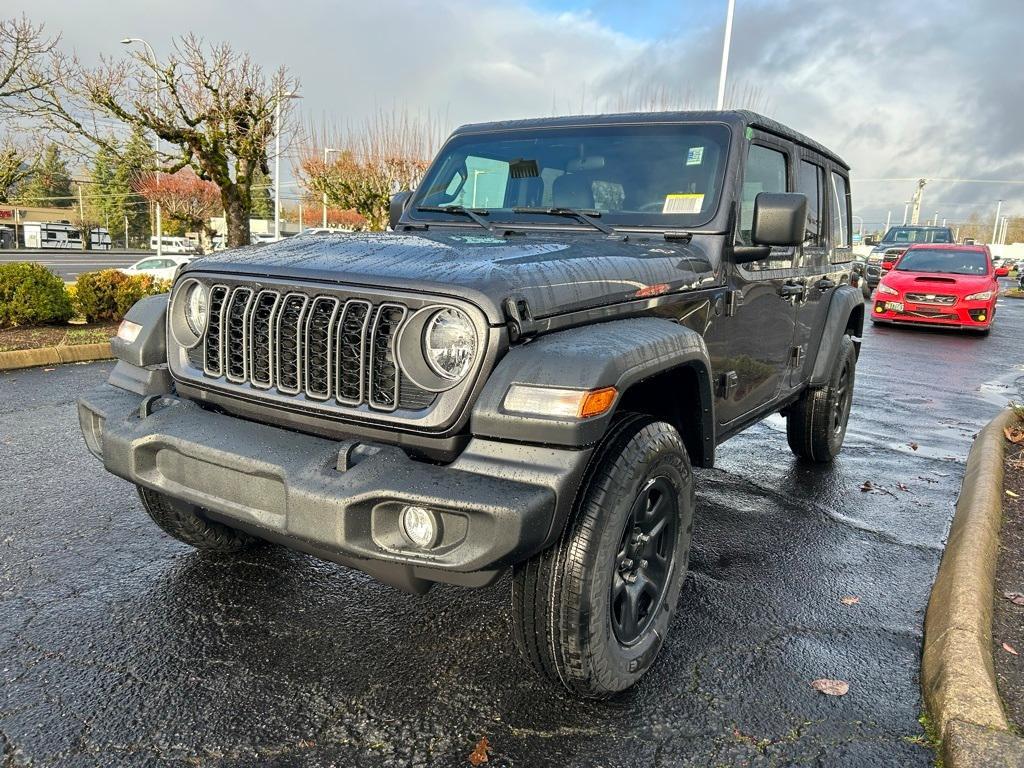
(616, 354)
(844, 303)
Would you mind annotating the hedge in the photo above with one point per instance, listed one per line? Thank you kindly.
(30, 294)
(108, 294)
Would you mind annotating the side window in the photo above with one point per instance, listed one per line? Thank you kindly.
(810, 181)
(840, 204)
(766, 172)
(485, 183)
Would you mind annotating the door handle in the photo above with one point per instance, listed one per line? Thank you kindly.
(825, 284)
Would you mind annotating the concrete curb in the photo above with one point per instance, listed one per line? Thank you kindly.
(957, 676)
(71, 353)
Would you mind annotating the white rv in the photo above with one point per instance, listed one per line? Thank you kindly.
(62, 235)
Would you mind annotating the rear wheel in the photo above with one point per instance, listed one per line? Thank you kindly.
(187, 523)
(593, 611)
(816, 423)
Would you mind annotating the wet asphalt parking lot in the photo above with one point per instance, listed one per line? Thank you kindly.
(120, 646)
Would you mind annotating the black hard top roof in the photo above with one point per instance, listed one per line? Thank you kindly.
(737, 117)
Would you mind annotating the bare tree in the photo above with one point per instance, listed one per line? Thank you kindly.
(18, 162)
(23, 46)
(214, 107)
(386, 153)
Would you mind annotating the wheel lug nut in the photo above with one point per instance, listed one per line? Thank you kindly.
(643, 563)
(626, 564)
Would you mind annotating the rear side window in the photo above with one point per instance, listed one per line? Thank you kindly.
(810, 182)
(766, 172)
(840, 212)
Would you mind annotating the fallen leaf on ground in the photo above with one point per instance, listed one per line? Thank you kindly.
(1012, 495)
(306, 744)
(850, 600)
(831, 687)
(1010, 649)
(479, 754)
(867, 487)
(1014, 434)
(1014, 597)
(47, 369)
(913, 446)
(902, 486)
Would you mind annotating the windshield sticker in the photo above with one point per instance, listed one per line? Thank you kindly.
(683, 203)
(695, 156)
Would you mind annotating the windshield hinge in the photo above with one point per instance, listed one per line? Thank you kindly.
(678, 235)
(518, 318)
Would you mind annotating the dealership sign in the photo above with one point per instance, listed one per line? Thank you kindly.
(9, 214)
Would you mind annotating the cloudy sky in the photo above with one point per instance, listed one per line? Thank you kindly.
(931, 88)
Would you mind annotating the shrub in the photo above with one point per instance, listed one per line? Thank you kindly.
(108, 294)
(30, 294)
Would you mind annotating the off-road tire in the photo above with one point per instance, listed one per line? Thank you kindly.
(187, 524)
(562, 600)
(816, 423)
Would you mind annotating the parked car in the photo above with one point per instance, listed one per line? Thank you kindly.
(519, 377)
(949, 285)
(895, 241)
(159, 267)
(1002, 268)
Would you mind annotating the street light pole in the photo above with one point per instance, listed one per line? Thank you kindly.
(277, 160)
(995, 227)
(156, 139)
(888, 218)
(327, 150)
(906, 210)
(725, 54)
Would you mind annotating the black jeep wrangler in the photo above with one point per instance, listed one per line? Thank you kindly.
(569, 315)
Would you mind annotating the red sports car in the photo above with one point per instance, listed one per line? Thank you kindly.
(1003, 270)
(937, 284)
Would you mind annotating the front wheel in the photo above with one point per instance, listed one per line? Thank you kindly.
(593, 611)
(816, 423)
(189, 525)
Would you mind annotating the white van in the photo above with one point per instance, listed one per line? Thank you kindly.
(175, 245)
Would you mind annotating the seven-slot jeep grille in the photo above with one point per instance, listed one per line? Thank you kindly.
(324, 348)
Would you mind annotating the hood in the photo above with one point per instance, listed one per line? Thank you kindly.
(556, 272)
(930, 282)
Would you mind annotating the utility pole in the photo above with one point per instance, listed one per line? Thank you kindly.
(906, 210)
(935, 219)
(327, 150)
(277, 160)
(915, 214)
(81, 220)
(725, 54)
(995, 227)
(1002, 230)
(888, 219)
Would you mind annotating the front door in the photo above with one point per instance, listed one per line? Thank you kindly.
(751, 346)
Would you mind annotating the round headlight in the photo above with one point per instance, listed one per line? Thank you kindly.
(197, 308)
(449, 343)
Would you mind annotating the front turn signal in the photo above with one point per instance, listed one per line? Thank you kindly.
(559, 403)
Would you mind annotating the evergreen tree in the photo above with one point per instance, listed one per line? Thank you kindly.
(106, 198)
(136, 158)
(50, 185)
(261, 195)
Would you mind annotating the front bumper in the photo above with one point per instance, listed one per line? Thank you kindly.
(974, 314)
(498, 502)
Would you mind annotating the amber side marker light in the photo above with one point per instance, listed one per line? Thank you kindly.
(597, 402)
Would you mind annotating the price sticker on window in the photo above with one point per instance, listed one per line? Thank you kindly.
(688, 203)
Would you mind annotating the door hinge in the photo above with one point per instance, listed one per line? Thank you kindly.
(733, 300)
(728, 383)
(796, 357)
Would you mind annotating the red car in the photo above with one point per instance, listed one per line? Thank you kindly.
(939, 284)
(1003, 270)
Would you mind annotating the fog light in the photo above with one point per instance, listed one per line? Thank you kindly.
(879, 308)
(981, 318)
(421, 526)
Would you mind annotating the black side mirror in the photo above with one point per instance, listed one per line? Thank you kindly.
(780, 218)
(397, 207)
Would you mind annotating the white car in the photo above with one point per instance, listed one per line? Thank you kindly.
(158, 267)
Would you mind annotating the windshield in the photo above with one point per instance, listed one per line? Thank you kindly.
(917, 235)
(944, 260)
(648, 175)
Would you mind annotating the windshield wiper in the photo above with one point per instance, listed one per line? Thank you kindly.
(587, 217)
(476, 215)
